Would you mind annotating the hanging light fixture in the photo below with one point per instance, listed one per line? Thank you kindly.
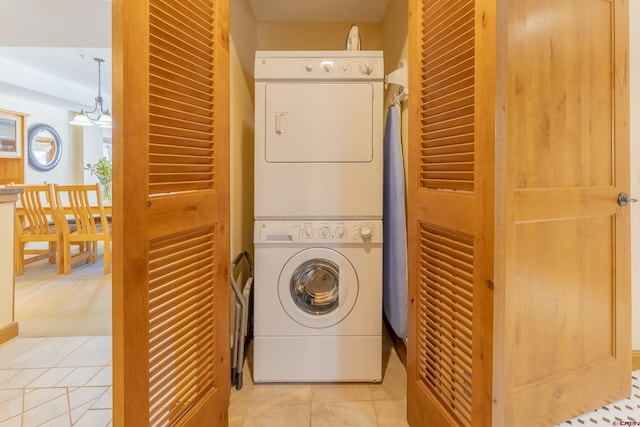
(102, 118)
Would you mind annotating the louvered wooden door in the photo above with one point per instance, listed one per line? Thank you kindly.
(171, 213)
(450, 217)
(519, 271)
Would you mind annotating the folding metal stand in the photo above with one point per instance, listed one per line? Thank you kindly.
(243, 295)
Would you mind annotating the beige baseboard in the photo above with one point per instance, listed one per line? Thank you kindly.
(8, 332)
(635, 360)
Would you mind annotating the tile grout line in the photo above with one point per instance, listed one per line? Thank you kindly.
(37, 342)
(31, 390)
(87, 339)
(25, 390)
(22, 409)
(69, 408)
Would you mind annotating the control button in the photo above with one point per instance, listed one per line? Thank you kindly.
(341, 232)
(307, 233)
(327, 67)
(346, 68)
(366, 232)
(308, 68)
(366, 68)
(325, 232)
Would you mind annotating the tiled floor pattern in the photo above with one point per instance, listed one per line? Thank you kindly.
(56, 382)
(66, 381)
(323, 405)
(61, 382)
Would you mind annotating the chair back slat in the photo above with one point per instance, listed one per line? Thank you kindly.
(78, 206)
(85, 220)
(36, 208)
(36, 221)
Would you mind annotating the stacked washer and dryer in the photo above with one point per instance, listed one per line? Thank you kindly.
(318, 216)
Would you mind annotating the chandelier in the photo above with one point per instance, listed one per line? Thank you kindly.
(100, 117)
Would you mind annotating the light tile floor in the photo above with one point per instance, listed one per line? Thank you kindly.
(321, 404)
(66, 381)
(56, 382)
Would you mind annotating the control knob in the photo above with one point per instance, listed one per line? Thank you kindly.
(366, 68)
(366, 232)
(307, 233)
(308, 68)
(325, 232)
(341, 232)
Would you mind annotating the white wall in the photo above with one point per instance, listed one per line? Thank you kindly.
(634, 37)
(90, 141)
(58, 118)
(79, 145)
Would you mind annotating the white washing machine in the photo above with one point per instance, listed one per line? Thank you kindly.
(318, 134)
(318, 301)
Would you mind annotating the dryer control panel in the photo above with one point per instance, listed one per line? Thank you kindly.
(352, 231)
(322, 65)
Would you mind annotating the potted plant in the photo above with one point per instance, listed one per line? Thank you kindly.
(102, 170)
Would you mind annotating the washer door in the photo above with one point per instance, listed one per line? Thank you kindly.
(318, 287)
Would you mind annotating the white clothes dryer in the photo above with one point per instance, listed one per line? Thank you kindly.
(318, 301)
(318, 134)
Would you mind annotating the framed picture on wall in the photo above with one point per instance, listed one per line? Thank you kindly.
(10, 135)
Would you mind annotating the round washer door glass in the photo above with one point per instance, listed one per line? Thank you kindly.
(315, 285)
(318, 287)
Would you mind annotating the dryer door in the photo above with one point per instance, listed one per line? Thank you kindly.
(318, 287)
(319, 123)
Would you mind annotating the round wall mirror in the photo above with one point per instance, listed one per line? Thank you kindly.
(44, 147)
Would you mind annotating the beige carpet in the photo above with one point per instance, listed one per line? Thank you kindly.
(78, 304)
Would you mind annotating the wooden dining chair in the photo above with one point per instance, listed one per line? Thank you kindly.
(36, 221)
(85, 224)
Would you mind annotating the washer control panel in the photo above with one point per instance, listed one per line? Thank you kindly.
(351, 231)
(341, 232)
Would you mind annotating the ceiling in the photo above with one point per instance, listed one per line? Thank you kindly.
(47, 55)
(47, 49)
(61, 76)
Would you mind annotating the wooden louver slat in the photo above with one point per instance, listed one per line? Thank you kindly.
(447, 110)
(181, 323)
(181, 97)
(445, 316)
